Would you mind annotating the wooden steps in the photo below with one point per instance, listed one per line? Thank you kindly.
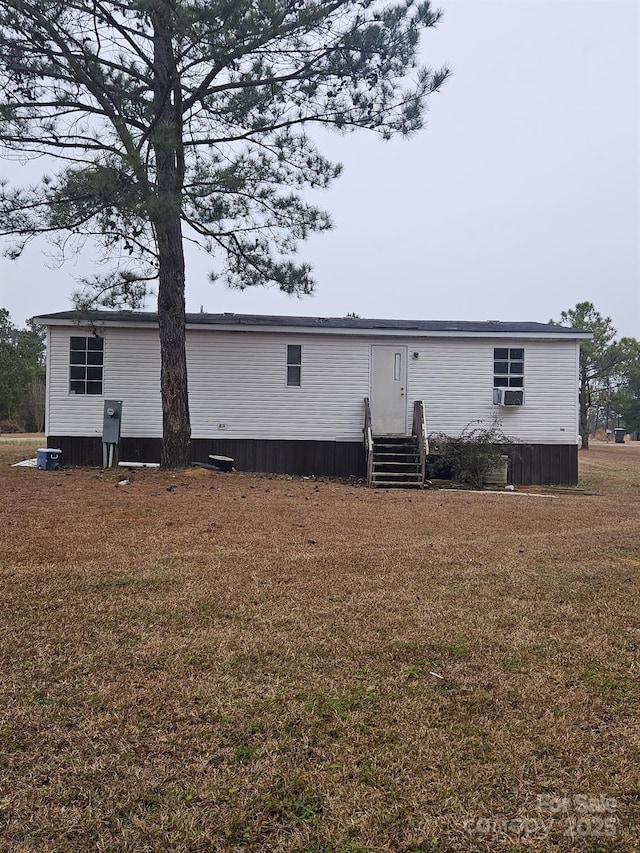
(396, 463)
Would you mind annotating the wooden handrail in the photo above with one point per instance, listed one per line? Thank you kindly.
(419, 431)
(368, 440)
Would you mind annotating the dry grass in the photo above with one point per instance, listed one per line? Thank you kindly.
(210, 662)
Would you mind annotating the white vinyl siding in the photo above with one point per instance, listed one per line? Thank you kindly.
(238, 381)
(237, 385)
(454, 377)
(131, 374)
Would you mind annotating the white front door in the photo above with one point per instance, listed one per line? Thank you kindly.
(388, 389)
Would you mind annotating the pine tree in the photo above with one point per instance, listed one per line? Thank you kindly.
(189, 119)
(601, 359)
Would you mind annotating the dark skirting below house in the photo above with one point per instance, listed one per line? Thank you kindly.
(320, 458)
(543, 464)
(529, 464)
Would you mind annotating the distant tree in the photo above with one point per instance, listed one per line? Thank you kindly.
(626, 397)
(34, 404)
(188, 119)
(21, 364)
(601, 361)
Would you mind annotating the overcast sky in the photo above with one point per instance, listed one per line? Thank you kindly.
(519, 199)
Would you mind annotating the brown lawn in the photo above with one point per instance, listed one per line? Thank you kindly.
(211, 662)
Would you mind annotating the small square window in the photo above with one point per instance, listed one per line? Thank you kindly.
(508, 367)
(86, 364)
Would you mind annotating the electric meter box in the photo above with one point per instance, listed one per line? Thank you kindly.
(111, 421)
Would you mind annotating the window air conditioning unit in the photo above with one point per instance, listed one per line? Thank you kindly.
(508, 396)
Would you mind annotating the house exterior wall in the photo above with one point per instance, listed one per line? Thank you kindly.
(454, 378)
(131, 374)
(238, 380)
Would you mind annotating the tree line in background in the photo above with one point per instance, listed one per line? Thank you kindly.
(22, 376)
(609, 374)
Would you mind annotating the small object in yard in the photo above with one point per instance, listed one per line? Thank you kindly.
(224, 463)
(205, 465)
(123, 482)
(436, 675)
(510, 488)
(138, 464)
(311, 541)
(26, 463)
(48, 458)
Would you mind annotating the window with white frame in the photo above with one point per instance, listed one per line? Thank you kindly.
(508, 367)
(294, 364)
(86, 363)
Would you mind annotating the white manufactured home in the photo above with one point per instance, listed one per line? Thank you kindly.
(301, 394)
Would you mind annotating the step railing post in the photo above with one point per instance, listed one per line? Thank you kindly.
(420, 433)
(368, 440)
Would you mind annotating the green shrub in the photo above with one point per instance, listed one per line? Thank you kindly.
(469, 457)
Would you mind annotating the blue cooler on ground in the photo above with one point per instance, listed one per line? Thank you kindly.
(48, 458)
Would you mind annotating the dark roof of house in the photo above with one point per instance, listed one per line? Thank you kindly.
(344, 323)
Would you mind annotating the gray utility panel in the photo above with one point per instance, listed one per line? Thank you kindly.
(111, 421)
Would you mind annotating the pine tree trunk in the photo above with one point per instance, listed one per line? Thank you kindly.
(169, 155)
(584, 425)
(584, 403)
(176, 427)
